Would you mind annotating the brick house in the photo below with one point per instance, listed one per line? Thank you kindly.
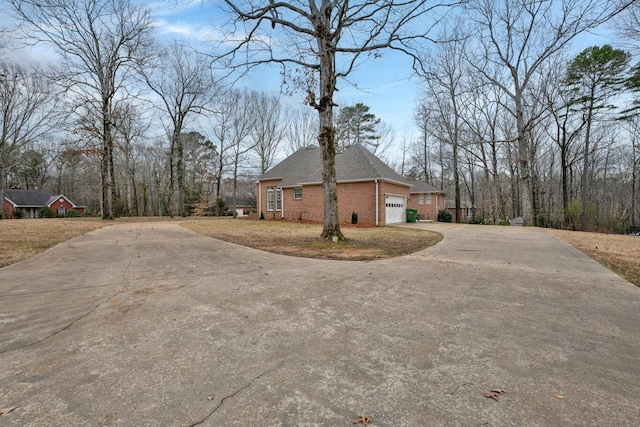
(426, 199)
(292, 190)
(466, 210)
(29, 202)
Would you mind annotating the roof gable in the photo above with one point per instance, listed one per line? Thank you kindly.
(356, 163)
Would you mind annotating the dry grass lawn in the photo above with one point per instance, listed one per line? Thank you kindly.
(620, 254)
(21, 239)
(360, 244)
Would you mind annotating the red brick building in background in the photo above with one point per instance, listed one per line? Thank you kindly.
(29, 202)
(426, 199)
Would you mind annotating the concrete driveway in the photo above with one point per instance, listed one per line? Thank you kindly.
(153, 325)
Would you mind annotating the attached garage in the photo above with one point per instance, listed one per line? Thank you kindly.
(365, 185)
(395, 207)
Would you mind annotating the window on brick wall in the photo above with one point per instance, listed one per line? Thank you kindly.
(297, 193)
(270, 198)
(421, 199)
(429, 198)
(278, 198)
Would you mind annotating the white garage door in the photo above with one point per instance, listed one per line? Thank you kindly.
(395, 209)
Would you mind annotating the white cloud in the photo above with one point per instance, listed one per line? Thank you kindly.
(193, 32)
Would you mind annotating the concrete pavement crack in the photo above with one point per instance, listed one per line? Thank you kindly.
(229, 396)
(73, 322)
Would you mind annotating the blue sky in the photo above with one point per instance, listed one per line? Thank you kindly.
(385, 84)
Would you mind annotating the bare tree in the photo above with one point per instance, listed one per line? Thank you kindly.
(98, 41)
(268, 129)
(327, 40)
(421, 152)
(28, 110)
(445, 87)
(232, 123)
(130, 126)
(520, 36)
(240, 144)
(301, 130)
(183, 81)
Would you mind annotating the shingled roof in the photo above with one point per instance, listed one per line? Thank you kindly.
(423, 187)
(32, 198)
(356, 163)
(28, 198)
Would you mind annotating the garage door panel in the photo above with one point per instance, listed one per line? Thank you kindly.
(394, 209)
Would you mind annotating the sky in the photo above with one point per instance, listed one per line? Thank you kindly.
(386, 84)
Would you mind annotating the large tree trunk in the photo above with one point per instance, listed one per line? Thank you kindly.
(107, 209)
(456, 179)
(180, 176)
(172, 171)
(524, 181)
(327, 137)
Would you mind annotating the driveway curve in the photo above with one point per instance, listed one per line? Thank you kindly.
(152, 324)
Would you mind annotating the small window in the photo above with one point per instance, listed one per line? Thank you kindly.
(421, 199)
(61, 211)
(297, 193)
(429, 198)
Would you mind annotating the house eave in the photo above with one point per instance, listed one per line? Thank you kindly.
(349, 181)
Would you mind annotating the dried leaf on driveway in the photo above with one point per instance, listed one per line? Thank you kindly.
(490, 395)
(362, 419)
(5, 411)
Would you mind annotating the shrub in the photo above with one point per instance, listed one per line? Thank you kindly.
(444, 216)
(46, 212)
(72, 213)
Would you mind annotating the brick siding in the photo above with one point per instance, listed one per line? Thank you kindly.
(356, 197)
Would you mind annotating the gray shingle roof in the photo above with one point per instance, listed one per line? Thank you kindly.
(33, 198)
(28, 198)
(356, 163)
(423, 187)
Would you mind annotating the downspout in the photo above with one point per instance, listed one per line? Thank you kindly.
(259, 199)
(377, 204)
(281, 203)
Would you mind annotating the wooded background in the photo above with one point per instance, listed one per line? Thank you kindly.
(508, 115)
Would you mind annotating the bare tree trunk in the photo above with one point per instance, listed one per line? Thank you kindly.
(585, 166)
(180, 176)
(107, 150)
(327, 134)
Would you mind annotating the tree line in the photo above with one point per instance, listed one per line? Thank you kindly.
(509, 122)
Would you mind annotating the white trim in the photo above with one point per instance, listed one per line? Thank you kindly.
(260, 198)
(348, 181)
(377, 202)
(281, 202)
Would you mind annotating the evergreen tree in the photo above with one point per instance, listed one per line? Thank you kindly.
(594, 76)
(356, 125)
